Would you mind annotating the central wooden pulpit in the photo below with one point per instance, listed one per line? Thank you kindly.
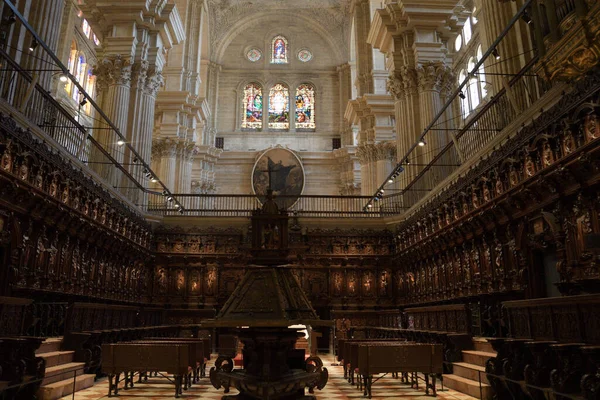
(268, 300)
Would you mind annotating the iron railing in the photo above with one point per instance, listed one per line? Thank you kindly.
(215, 205)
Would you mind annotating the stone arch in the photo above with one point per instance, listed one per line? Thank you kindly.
(246, 23)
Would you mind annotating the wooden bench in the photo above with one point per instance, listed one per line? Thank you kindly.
(199, 348)
(351, 354)
(378, 358)
(130, 357)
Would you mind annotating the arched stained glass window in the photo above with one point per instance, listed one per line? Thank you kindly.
(90, 88)
(253, 107)
(279, 107)
(72, 65)
(80, 72)
(279, 50)
(305, 107)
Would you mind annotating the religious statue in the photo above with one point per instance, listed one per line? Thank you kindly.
(591, 127)
(24, 171)
(499, 186)
(529, 166)
(547, 156)
(383, 285)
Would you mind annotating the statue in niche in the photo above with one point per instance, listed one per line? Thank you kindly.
(211, 279)
(591, 127)
(499, 186)
(180, 281)
(195, 282)
(7, 158)
(54, 186)
(383, 283)
(24, 170)
(487, 196)
(568, 141)
(529, 166)
(39, 179)
(352, 284)
(547, 156)
(338, 283)
(368, 283)
(513, 176)
(474, 198)
(65, 194)
(162, 280)
(465, 206)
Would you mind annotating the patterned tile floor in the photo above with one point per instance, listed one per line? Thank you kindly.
(337, 389)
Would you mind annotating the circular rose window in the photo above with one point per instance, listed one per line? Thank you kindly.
(305, 55)
(254, 55)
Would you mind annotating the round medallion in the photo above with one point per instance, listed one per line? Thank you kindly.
(305, 55)
(282, 171)
(254, 55)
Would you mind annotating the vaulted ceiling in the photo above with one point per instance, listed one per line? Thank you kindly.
(230, 17)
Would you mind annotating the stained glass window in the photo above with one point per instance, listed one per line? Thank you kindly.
(305, 55)
(254, 55)
(90, 88)
(279, 107)
(80, 71)
(279, 50)
(305, 107)
(86, 28)
(253, 107)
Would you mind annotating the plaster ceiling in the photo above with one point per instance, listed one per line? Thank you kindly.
(333, 16)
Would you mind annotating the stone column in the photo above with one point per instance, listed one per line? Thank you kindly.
(385, 153)
(113, 87)
(514, 49)
(45, 17)
(364, 56)
(345, 93)
(164, 159)
(366, 157)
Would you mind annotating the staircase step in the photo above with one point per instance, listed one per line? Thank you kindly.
(468, 386)
(50, 345)
(62, 372)
(470, 371)
(481, 344)
(55, 358)
(477, 357)
(56, 390)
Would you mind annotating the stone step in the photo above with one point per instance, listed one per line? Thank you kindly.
(55, 358)
(470, 371)
(62, 372)
(50, 345)
(56, 390)
(468, 386)
(481, 344)
(477, 357)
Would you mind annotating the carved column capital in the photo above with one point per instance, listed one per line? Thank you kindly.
(139, 72)
(366, 153)
(395, 87)
(431, 75)
(113, 70)
(154, 82)
(409, 79)
(385, 151)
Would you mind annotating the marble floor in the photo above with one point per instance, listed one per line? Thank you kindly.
(337, 389)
